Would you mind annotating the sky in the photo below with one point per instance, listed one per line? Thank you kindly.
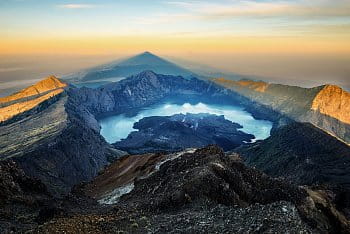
(285, 40)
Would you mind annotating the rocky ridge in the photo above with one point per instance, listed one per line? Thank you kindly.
(12, 110)
(48, 84)
(327, 106)
(30, 98)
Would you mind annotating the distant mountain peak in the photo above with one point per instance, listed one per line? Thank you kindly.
(30, 97)
(48, 84)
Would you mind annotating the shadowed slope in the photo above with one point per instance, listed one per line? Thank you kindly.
(303, 153)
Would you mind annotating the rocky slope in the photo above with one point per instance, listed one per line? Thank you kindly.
(178, 132)
(202, 191)
(325, 106)
(21, 198)
(205, 191)
(25, 203)
(122, 174)
(302, 153)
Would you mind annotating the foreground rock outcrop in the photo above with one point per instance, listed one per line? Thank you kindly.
(205, 191)
(195, 191)
(178, 132)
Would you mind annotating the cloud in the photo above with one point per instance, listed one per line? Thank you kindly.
(251, 8)
(163, 19)
(77, 6)
(338, 29)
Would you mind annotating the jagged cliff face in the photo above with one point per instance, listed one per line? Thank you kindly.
(327, 107)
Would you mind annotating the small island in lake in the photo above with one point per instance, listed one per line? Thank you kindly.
(180, 131)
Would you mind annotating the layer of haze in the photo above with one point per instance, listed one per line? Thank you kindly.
(303, 42)
(303, 70)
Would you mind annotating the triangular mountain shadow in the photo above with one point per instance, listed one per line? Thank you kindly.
(132, 66)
